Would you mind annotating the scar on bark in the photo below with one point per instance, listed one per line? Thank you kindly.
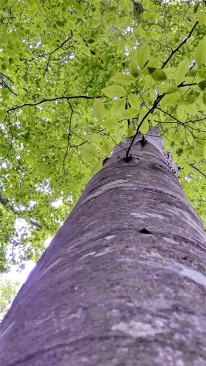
(128, 158)
(145, 231)
(104, 161)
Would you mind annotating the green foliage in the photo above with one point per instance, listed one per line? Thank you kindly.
(72, 74)
(8, 290)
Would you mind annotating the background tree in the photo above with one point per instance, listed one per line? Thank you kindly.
(75, 77)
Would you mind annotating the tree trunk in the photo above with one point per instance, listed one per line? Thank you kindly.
(123, 281)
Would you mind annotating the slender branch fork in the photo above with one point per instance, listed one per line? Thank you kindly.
(160, 96)
(50, 100)
(48, 53)
(56, 49)
(180, 45)
(155, 104)
(67, 98)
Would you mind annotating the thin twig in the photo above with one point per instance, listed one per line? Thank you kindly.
(43, 55)
(180, 45)
(6, 77)
(5, 85)
(56, 49)
(181, 85)
(194, 167)
(50, 100)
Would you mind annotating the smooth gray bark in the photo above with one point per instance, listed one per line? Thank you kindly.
(123, 281)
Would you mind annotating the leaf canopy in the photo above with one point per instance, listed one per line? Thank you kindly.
(72, 74)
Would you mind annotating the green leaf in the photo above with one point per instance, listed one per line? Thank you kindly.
(71, 24)
(144, 127)
(91, 40)
(129, 113)
(196, 6)
(143, 55)
(134, 69)
(167, 88)
(5, 94)
(122, 79)
(134, 101)
(121, 46)
(170, 99)
(181, 71)
(96, 166)
(192, 73)
(200, 52)
(131, 130)
(151, 69)
(154, 62)
(96, 21)
(204, 98)
(118, 106)
(157, 74)
(181, 113)
(2, 114)
(88, 151)
(179, 151)
(146, 3)
(202, 18)
(107, 145)
(125, 5)
(202, 84)
(114, 91)
(202, 73)
(204, 151)
(190, 139)
(192, 96)
(98, 109)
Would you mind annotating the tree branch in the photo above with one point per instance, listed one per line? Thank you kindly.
(181, 85)
(159, 97)
(56, 49)
(150, 111)
(194, 167)
(4, 84)
(180, 45)
(50, 100)
(47, 53)
(6, 77)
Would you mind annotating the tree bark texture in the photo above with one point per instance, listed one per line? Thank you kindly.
(123, 281)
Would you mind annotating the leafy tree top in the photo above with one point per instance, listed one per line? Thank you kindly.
(76, 77)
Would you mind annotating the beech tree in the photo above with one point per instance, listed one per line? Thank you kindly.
(77, 78)
(123, 281)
